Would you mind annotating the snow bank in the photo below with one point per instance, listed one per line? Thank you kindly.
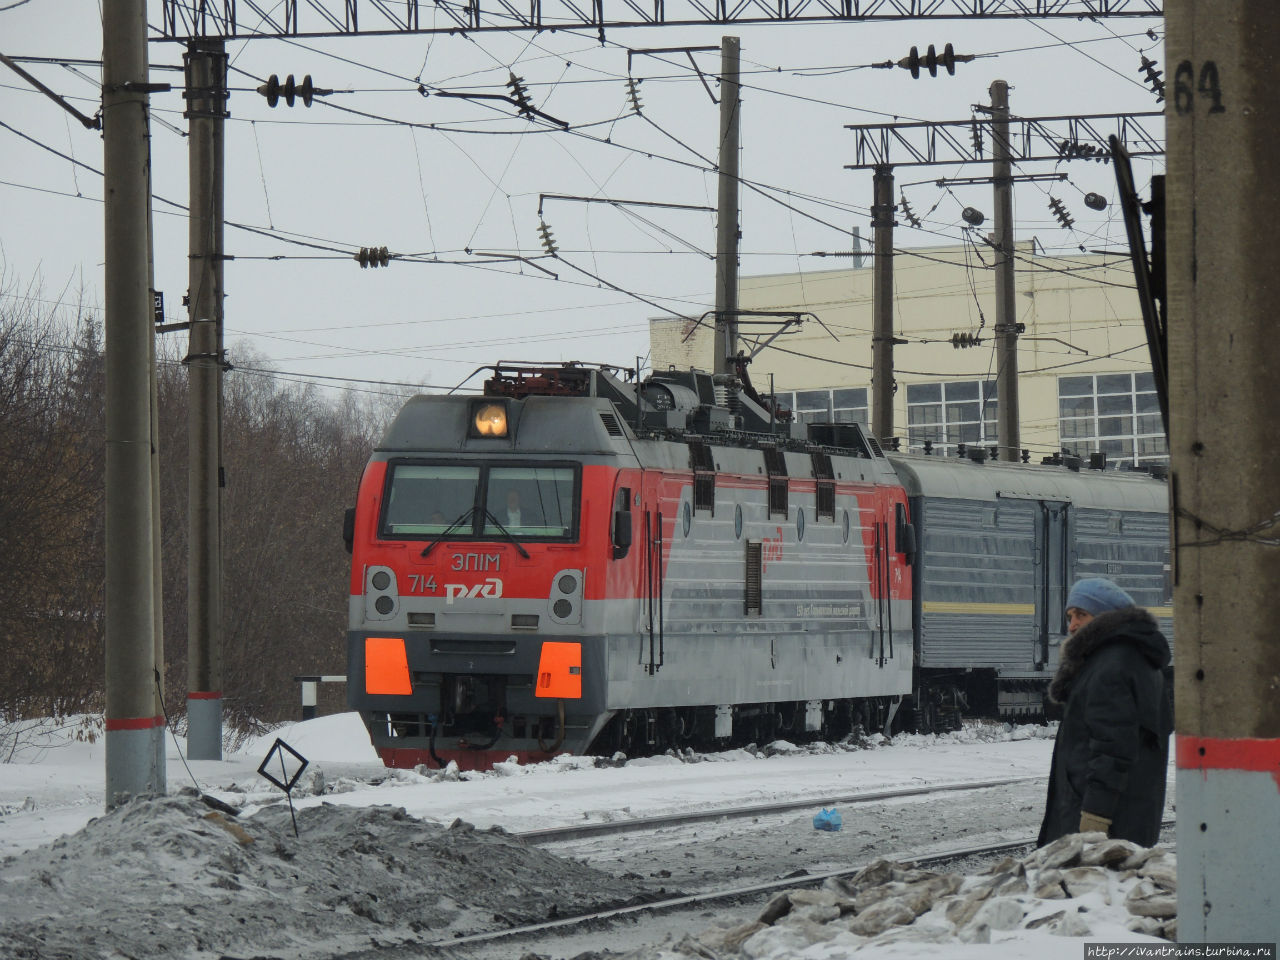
(173, 878)
(1081, 886)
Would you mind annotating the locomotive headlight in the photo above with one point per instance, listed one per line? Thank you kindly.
(489, 420)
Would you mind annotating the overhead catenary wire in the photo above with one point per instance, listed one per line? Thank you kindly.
(707, 167)
(790, 206)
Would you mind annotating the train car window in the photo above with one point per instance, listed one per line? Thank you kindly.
(904, 533)
(620, 533)
(800, 523)
(424, 499)
(530, 501)
(737, 521)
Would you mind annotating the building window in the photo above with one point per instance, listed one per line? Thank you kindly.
(828, 405)
(951, 413)
(1115, 413)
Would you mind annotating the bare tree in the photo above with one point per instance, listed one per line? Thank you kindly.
(293, 457)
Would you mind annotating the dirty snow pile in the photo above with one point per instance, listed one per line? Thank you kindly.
(1080, 886)
(173, 877)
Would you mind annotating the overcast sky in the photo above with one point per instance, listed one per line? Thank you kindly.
(445, 182)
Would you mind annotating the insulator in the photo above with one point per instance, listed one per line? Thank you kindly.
(908, 213)
(519, 93)
(1152, 76)
(1060, 211)
(931, 60)
(633, 93)
(975, 132)
(912, 62)
(273, 90)
(1095, 201)
(961, 340)
(548, 241)
(972, 216)
(1074, 149)
(372, 257)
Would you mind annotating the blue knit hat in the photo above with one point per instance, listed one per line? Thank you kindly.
(1096, 595)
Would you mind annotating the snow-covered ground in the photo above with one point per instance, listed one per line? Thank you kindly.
(351, 842)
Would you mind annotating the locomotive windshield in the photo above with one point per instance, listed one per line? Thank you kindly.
(480, 501)
(530, 501)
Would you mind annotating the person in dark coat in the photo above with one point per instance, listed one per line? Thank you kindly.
(1111, 754)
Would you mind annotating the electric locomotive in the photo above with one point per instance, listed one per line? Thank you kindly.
(577, 561)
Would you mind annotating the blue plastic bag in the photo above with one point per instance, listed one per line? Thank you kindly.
(828, 820)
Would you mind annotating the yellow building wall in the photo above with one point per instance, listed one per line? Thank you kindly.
(1081, 315)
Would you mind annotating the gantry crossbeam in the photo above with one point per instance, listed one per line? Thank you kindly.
(245, 19)
(1030, 138)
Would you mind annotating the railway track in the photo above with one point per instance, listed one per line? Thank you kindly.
(729, 894)
(758, 890)
(607, 827)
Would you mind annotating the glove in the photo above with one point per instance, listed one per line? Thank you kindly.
(1092, 823)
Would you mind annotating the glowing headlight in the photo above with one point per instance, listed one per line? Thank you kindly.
(490, 420)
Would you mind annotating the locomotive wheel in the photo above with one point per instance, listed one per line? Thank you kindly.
(926, 715)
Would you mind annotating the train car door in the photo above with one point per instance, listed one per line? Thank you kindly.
(660, 501)
(1051, 570)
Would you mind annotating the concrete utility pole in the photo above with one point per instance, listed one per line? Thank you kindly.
(726, 338)
(882, 337)
(157, 560)
(1007, 425)
(131, 720)
(1223, 284)
(206, 80)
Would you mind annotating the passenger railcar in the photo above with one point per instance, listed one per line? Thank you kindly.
(575, 562)
(1000, 546)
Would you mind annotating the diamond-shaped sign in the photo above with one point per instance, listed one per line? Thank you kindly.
(280, 748)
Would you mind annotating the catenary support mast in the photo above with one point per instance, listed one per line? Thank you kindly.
(131, 718)
(1007, 426)
(1224, 282)
(882, 339)
(206, 73)
(726, 338)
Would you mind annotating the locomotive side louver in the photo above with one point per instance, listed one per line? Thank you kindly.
(754, 582)
(611, 425)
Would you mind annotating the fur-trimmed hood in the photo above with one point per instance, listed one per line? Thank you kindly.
(1132, 625)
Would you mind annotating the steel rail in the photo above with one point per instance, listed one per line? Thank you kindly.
(926, 861)
(607, 827)
(733, 893)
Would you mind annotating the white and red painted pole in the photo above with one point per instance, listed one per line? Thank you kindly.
(1223, 203)
(131, 720)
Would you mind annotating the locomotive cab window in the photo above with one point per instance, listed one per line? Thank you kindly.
(530, 501)
(424, 499)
